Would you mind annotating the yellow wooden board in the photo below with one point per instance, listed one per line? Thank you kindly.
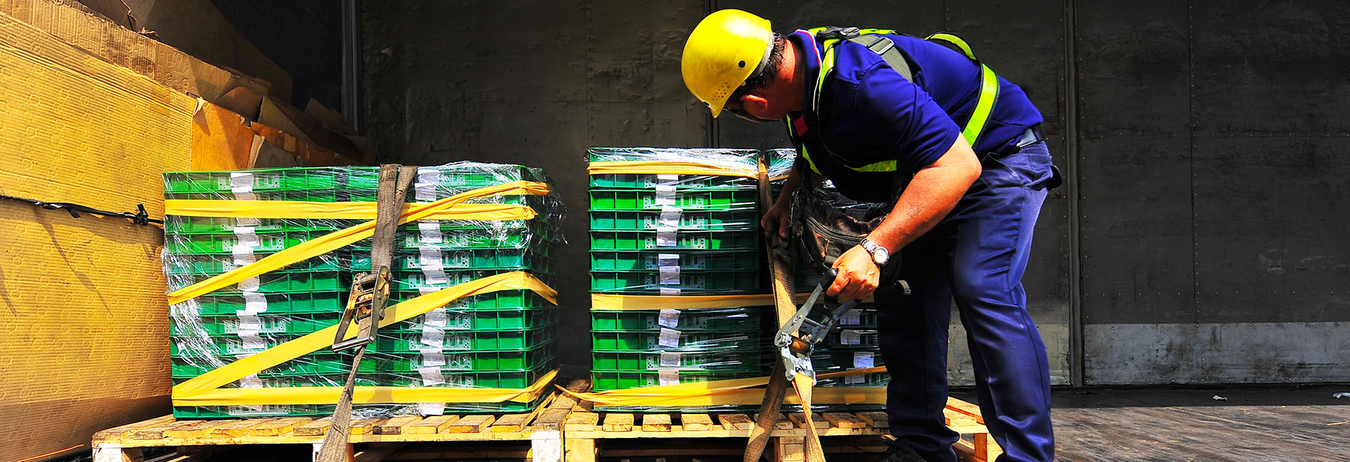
(82, 306)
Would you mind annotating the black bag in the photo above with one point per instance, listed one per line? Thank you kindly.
(825, 224)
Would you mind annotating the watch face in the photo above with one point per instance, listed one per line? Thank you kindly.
(881, 256)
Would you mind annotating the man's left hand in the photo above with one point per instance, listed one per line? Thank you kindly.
(858, 275)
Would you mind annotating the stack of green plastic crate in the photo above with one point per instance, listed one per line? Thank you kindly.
(675, 235)
(500, 336)
(853, 345)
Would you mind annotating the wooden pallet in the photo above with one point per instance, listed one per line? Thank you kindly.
(585, 433)
(540, 430)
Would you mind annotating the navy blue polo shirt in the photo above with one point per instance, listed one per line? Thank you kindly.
(872, 114)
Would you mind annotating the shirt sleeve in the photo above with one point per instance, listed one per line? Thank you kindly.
(902, 119)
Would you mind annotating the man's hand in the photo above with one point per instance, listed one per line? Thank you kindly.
(858, 275)
(776, 219)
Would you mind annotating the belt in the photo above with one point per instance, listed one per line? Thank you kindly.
(1030, 137)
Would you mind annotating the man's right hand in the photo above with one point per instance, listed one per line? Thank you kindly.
(776, 219)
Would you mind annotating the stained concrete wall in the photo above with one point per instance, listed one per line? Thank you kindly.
(1207, 185)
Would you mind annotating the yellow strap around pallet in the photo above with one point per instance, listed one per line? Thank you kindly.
(609, 302)
(737, 392)
(201, 390)
(652, 167)
(342, 237)
(333, 210)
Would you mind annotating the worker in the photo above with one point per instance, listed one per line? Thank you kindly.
(922, 125)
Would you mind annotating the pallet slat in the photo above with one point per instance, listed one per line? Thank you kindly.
(432, 425)
(656, 422)
(472, 424)
(581, 422)
(800, 419)
(736, 421)
(364, 426)
(843, 420)
(197, 429)
(395, 426)
(314, 428)
(618, 422)
(278, 427)
(876, 419)
(696, 422)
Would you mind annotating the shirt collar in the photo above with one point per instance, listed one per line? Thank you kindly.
(811, 51)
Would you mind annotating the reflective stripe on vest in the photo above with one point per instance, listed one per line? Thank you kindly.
(984, 105)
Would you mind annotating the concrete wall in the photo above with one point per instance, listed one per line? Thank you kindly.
(1200, 237)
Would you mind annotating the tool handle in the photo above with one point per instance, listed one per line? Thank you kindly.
(827, 278)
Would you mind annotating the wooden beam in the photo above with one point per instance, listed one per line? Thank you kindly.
(656, 422)
(472, 424)
(735, 421)
(876, 419)
(618, 422)
(581, 421)
(279, 426)
(432, 425)
(314, 428)
(965, 408)
(696, 422)
(395, 426)
(844, 420)
(800, 420)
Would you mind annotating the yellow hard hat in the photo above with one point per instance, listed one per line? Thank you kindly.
(726, 49)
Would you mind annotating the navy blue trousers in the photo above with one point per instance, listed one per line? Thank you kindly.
(976, 256)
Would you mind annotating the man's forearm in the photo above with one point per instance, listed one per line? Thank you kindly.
(930, 196)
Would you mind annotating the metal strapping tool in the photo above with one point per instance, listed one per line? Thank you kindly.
(811, 325)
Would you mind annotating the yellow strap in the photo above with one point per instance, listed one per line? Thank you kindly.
(333, 210)
(660, 167)
(364, 395)
(983, 106)
(340, 238)
(609, 302)
(954, 40)
(733, 392)
(271, 357)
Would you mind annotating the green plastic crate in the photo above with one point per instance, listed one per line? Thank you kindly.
(469, 239)
(646, 282)
(224, 244)
(733, 220)
(863, 317)
(603, 381)
(650, 260)
(853, 339)
(227, 412)
(175, 224)
(268, 180)
(219, 304)
(734, 361)
(714, 320)
(746, 158)
(265, 324)
(301, 195)
(409, 282)
(829, 360)
(514, 379)
(314, 369)
(480, 321)
(225, 346)
(681, 240)
(684, 342)
(679, 182)
(210, 265)
(875, 379)
(417, 342)
(278, 283)
(535, 258)
(633, 199)
(538, 358)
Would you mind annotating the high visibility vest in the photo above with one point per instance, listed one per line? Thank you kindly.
(875, 182)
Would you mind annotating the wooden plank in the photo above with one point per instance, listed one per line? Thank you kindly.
(618, 422)
(656, 422)
(511, 423)
(432, 425)
(394, 426)
(472, 424)
(552, 419)
(126, 430)
(156, 432)
(800, 419)
(364, 426)
(965, 408)
(314, 428)
(696, 422)
(876, 419)
(580, 449)
(198, 428)
(735, 421)
(278, 427)
(581, 421)
(781, 423)
(844, 420)
(238, 428)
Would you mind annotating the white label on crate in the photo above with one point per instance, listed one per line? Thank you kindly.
(850, 337)
(254, 302)
(251, 381)
(431, 340)
(851, 318)
(668, 377)
(670, 275)
(247, 221)
(669, 338)
(670, 217)
(665, 195)
(863, 359)
(666, 237)
(248, 322)
(431, 376)
(670, 359)
(667, 178)
(252, 341)
(668, 259)
(433, 359)
(241, 184)
(430, 232)
(249, 285)
(669, 318)
(670, 291)
(435, 277)
(423, 290)
(244, 259)
(424, 189)
(855, 379)
(430, 257)
(437, 317)
(430, 409)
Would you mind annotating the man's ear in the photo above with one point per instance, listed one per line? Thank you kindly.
(754, 104)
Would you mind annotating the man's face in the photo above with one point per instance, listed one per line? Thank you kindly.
(751, 112)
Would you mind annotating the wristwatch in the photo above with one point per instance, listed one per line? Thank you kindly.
(879, 254)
